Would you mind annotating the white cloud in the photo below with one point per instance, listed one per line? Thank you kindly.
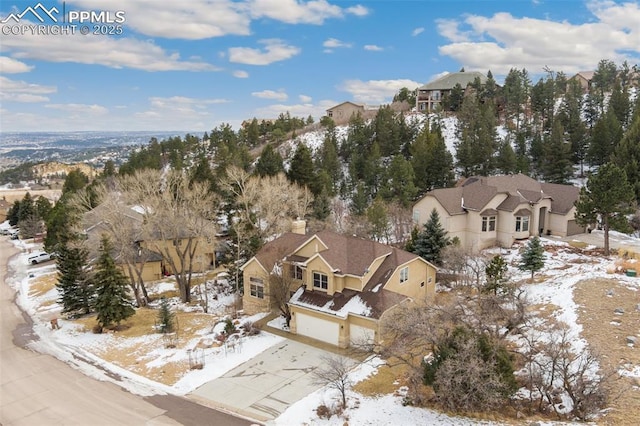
(376, 91)
(373, 48)
(417, 31)
(297, 12)
(503, 41)
(11, 66)
(192, 20)
(358, 10)
(305, 99)
(275, 50)
(93, 109)
(448, 28)
(270, 94)
(101, 50)
(240, 74)
(21, 91)
(332, 43)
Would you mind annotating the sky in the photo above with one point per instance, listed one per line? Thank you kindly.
(193, 65)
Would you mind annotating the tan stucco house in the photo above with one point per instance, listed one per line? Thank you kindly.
(485, 211)
(342, 286)
(343, 112)
(429, 96)
(584, 78)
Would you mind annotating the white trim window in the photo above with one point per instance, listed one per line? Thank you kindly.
(488, 223)
(404, 274)
(257, 287)
(296, 272)
(320, 281)
(522, 223)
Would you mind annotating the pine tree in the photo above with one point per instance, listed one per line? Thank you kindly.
(557, 166)
(166, 318)
(112, 303)
(607, 133)
(627, 153)
(506, 161)
(532, 258)
(301, 170)
(378, 220)
(496, 272)
(400, 181)
(431, 240)
(75, 287)
(607, 195)
(270, 162)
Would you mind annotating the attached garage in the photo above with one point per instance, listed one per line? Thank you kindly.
(359, 335)
(317, 328)
(573, 228)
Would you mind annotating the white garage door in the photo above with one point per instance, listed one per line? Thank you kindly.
(317, 328)
(359, 336)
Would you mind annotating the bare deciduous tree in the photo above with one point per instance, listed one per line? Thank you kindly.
(401, 221)
(178, 217)
(267, 203)
(334, 373)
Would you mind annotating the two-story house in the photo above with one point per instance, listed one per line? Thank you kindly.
(429, 96)
(484, 211)
(342, 286)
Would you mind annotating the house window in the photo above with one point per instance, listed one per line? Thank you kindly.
(296, 272)
(320, 281)
(404, 274)
(416, 216)
(435, 95)
(522, 223)
(488, 223)
(257, 287)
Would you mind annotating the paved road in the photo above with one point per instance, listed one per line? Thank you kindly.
(38, 389)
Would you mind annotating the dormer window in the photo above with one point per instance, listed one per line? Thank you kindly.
(320, 281)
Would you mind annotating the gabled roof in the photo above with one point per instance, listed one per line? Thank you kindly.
(448, 81)
(475, 192)
(345, 255)
(587, 75)
(344, 103)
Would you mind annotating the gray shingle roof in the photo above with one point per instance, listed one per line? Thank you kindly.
(563, 197)
(448, 81)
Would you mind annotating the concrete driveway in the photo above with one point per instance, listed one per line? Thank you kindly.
(596, 238)
(268, 384)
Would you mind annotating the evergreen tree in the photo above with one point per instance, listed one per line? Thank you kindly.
(477, 137)
(453, 100)
(386, 131)
(532, 258)
(75, 181)
(431, 161)
(270, 162)
(359, 200)
(75, 287)
(378, 220)
(166, 318)
(608, 196)
(522, 154)
(431, 240)
(400, 185)
(13, 214)
(328, 160)
(112, 303)
(627, 153)
(607, 133)
(620, 104)
(556, 167)
(301, 169)
(496, 272)
(506, 161)
(321, 204)
(515, 93)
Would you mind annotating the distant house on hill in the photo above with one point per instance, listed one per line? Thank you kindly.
(484, 211)
(584, 78)
(430, 96)
(344, 111)
(341, 286)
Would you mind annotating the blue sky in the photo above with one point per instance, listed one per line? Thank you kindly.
(192, 65)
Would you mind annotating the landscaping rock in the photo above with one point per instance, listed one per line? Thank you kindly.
(534, 424)
(610, 292)
(638, 307)
(631, 340)
(619, 311)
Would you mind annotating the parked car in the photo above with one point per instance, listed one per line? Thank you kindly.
(39, 257)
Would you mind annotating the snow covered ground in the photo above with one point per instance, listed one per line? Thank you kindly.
(563, 269)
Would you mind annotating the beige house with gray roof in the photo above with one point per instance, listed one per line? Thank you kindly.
(485, 211)
(429, 97)
(342, 286)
